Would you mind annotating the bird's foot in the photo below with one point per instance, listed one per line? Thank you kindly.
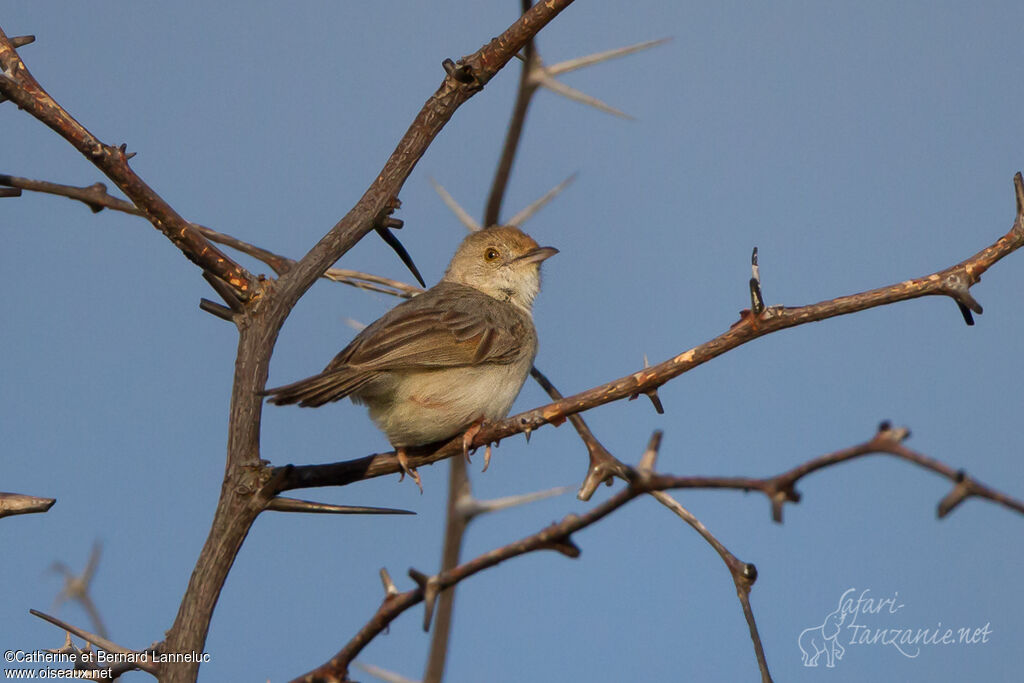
(403, 462)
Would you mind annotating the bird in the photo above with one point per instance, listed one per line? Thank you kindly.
(448, 359)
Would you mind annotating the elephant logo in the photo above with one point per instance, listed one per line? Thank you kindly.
(823, 639)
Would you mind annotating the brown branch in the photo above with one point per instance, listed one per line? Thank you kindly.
(96, 198)
(138, 662)
(524, 94)
(743, 574)
(603, 465)
(456, 523)
(245, 492)
(953, 282)
(782, 488)
(21, 504)
(18, 85)
(643, 480)
(552, 537)
(464, 79)
(458, 480)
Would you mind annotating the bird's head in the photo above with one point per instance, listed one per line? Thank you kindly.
(502, 262)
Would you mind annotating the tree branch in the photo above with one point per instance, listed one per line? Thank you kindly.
(642, 480)
(524, 94)
(18, 85)
(245, 492)
(953, 282)
(743, 574)
(22, 504)
(96, 198)
(464, 79)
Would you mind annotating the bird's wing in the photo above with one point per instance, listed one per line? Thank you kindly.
(449, 325)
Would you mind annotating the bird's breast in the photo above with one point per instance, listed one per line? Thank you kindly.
(432, 405)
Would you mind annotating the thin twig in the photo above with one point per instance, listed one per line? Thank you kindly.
(527, 212)
(96, 198)
(743, 575)
(460, 213)
(138, 662)
(76, 587)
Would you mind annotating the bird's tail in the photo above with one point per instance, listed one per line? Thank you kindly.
(319, 389)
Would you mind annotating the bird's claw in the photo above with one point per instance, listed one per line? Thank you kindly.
(468, 436)
(487, 458)
(467, 441)
(403, 462)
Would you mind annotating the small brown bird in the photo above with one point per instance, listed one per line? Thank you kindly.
(447, 359)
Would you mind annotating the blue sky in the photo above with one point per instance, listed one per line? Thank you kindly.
(856, 145)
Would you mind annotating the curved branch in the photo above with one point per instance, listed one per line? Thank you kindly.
(18, 85)
(743, 574)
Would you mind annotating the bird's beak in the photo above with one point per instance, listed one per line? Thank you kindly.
(537, 255)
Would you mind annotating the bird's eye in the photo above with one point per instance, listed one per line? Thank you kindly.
(491, 254)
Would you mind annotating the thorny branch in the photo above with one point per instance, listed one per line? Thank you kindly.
(259, 308)
(642, 480)
(743, 574)
(953, 282)
(245, 493)
(18, 85)
(21, 504)
(464, 78)
(458, 480)
(95, 196)
(524, 94)
(136, 660)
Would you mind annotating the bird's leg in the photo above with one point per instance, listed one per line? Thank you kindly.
(403, 462)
